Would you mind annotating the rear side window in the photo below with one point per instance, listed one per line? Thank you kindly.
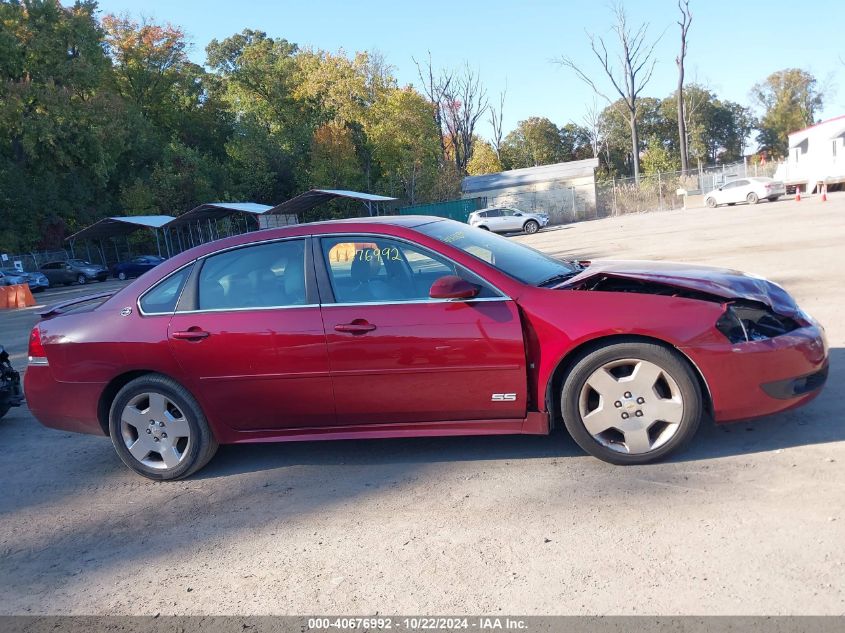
(162, 298)
(262, 276)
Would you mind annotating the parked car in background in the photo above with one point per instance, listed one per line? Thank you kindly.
(750, 190)
(35, 280)
(136, 266)
(74, 271)
(11, 277)
(506, 219)
(413, 325)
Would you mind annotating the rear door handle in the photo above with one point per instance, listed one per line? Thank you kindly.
(358, 326)
(190, 335)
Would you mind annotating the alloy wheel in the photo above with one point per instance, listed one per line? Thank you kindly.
(631, 406)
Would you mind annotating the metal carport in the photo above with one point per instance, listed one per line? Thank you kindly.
(310, 199)
(119, 226)
(201, 222)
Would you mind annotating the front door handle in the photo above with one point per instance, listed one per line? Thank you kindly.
(358, 326)
(193, 334)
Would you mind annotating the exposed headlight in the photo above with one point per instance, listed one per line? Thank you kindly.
(753, 322)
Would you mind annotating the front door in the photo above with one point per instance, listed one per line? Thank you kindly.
(253, 343)
(398, 356)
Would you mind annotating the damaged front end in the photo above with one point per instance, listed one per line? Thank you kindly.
(755, 309)
(745, 321)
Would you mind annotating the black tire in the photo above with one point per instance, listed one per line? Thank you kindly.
(669, 361)
(752, 198)
(4, 409)
(81, 279)
(711, 203)
(530, 227)
(484, 228)
(202, 444)
(773, 198)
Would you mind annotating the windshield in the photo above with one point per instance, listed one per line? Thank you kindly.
(514, 259)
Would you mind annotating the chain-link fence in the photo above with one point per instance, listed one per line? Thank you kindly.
(34, 260)
(665, 191)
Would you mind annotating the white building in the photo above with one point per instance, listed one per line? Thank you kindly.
(564, 191)
(816, 155)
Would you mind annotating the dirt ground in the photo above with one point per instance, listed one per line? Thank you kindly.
(749, 520)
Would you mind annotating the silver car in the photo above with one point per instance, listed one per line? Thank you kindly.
(507, 220)
(750, 190)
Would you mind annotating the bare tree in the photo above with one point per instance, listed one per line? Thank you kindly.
(593, 125)
(496, 123)
(636, 66)
(684, 23)
(465, 102)
(435, 86)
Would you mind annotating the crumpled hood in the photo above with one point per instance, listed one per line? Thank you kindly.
(720, 282)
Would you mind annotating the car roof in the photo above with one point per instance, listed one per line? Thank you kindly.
(409, 221)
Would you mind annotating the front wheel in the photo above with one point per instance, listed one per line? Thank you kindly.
(531, 227)
(631, 403)
(752, 198)
(121, 275)
(711, 203)
(81, 279)
(773, 198)
(159, 430)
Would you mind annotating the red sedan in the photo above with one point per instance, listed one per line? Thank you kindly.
(412, 326)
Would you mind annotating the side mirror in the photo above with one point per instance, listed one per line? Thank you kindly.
(452, 287)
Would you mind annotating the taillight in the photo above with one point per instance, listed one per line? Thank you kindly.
(37, 355)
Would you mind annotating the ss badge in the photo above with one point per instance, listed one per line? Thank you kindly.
(503, 397)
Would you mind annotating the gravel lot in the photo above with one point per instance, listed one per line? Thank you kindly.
(750, 520)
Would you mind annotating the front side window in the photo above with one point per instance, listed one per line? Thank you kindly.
(162, 298)
(262, 276)
(373, 269)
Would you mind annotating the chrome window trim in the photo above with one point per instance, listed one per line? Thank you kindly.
(416, 302)
(502, 295)
(249, 309)
(161, 281)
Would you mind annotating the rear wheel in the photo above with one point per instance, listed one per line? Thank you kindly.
(81, 279)
(711, 203)
(531, 227)
(631, 403)
(159, 430)
(121, 275)
(752, 198)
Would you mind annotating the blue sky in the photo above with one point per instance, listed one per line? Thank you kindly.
(732, 44)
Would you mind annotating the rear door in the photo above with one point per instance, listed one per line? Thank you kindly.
(249, 337)
(398, 356)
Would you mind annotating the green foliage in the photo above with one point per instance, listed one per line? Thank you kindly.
(658, 159)
(108, 116)
(538, 141)
(789, 99)
(484, 160)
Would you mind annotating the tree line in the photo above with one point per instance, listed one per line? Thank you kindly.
(107, 115)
